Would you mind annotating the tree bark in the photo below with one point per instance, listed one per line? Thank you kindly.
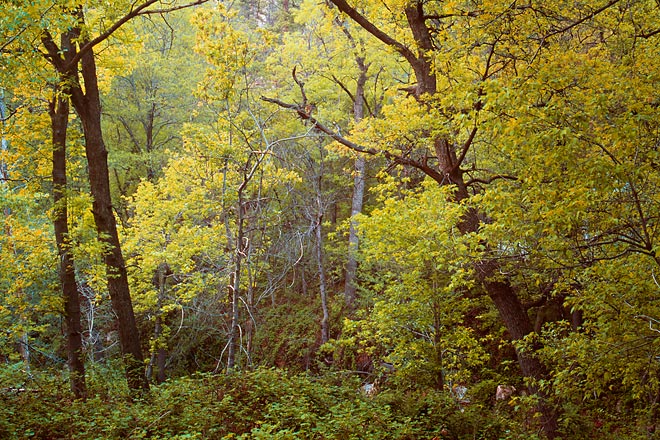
(159, 353)
(59, 116)
(518, 325)
(89, 111)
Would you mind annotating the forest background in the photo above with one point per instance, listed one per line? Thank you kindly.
(322, 219)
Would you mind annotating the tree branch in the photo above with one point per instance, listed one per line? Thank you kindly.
(400, 160)
(583, 19)
(139, 10)
(649, 34)
(301, 85)
(375, 31)
(490, 179)
(466, 147)
(52, 51)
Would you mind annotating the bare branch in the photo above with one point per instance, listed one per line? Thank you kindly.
(651, 321)
(490, 179)
(649, 34)
(301, 85)
(583, 19)
(466, 147)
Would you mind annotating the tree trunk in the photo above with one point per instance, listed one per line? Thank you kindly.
(59, 116)
(325, 320)
(87, 104)
(159, 353)
(437, 345)
(3, 142)
(518, 325)
(249, 306)
(236, 284)
(316, 218)
(422, 65)
(350, 290)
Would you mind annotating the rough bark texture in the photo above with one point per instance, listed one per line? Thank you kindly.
(59, 115)
(89, 110)
(518, 325)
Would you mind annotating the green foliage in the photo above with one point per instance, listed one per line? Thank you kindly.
(147, 103)
(414, 276)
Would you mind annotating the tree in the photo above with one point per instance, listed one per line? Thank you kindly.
(425, 26)
(146, 104)
(472, 65)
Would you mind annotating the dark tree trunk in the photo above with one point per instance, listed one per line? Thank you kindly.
(87, 104)
(89, 111)
(59, 116)
(518, 324)
(421, 64)
(159, 354)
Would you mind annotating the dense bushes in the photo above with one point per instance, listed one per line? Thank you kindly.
(266, 404)
(261, 404)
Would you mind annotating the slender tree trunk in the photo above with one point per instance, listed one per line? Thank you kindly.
(3, 142)
(437, 344)
(59, 116)
(350, 290)
(236, 285)
(159, 353)
(316, 218)
(325, 320)
(161, 358)
(249, 305)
